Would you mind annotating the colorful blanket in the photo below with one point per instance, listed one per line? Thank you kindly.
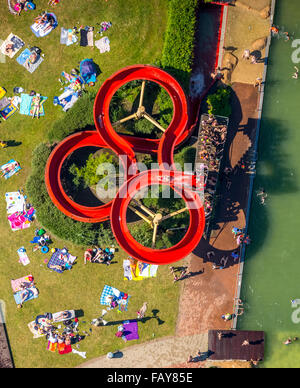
(131, 330)
(31, 67)
(26, 105)
(10, 168)
(15, 202)
(138, 271)
(57, 260)
(112, 297)
(21, 220)
(8, 111)
(15, 283)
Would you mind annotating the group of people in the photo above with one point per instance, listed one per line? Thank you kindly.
(45, 19)
(23, 5)
(210, 152)
(240, 236)
(99, 255)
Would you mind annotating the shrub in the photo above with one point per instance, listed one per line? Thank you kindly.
(178, 51)
(186, 156)
(50, 216)
(219, 103)
(76, 119)
(90, 175)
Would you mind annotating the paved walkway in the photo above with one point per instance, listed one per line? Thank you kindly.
(155, 354)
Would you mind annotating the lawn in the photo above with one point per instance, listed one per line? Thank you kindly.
(136, 36)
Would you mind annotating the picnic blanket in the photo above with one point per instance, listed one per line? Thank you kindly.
(15, 41)
(8, 111)
(112, 297)
(10, 168)
(138, 271)
(56, 259)
(31, 67)
(21, 220)
(23, 258)
(26, 105)
(15, 202)
(131, 330)
(40, 30)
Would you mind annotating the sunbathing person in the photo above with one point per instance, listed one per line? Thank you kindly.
(9, 48)
(63, 315)
(25, 294)
(36, 100)
(10, 167)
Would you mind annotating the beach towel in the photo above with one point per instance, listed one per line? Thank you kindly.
(90, 38)
(15, 283)
(56, 316)
(8, 111)
(18, 297)
(21, 220)
(138, 271)
(26, 105)
(57, 261)
(64, 349)
(23, 258)
(103, 44)
(22, 58)
(15, 202)
(83, 38)
(52, 346)
(131, 330)
(67, 36)
(9, 169)
(40, 30)
(15, 41)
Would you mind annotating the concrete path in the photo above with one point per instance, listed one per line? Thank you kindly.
(155, 354)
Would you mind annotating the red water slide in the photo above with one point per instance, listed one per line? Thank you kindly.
(125, 147)
(121, 230)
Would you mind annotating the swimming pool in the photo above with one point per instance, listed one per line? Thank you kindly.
(272, 263)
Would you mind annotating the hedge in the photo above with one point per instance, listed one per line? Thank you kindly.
(178, 50)
(78, 118)
(54, 220)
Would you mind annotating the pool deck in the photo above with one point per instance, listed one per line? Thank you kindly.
(209, 294)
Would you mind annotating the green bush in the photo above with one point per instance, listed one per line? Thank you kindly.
(178, 51)
(185, 156)
(219, 103)
(76, 119)
(89, 175)
(50, 217)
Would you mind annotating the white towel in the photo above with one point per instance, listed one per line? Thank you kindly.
(103, 44)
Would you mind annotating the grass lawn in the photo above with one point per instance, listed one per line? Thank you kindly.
(136, 37)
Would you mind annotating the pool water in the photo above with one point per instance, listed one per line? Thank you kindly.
(272, 263)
